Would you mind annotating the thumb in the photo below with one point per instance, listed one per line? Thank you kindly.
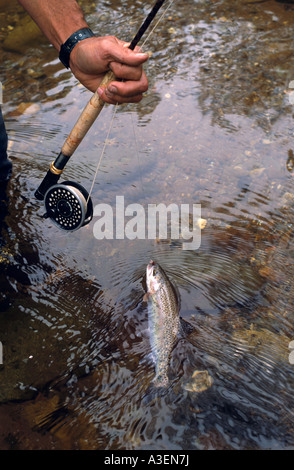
(129, 57)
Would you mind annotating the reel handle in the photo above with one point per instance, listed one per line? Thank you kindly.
(95, 105)
(86, 119)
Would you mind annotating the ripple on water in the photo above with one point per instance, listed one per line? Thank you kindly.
(214, 129)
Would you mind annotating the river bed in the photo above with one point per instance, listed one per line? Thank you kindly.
(216, 129)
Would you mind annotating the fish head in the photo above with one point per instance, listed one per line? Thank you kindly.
(154, 277)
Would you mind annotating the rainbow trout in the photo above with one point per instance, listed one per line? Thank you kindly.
(164, 321)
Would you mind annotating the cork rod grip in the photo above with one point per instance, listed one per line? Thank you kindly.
(86, 119)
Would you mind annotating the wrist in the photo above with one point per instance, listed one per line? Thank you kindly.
(67, 47)
(65, 33)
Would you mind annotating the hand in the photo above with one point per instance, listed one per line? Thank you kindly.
(93, 57)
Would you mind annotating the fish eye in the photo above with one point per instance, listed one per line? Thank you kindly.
(154, 272)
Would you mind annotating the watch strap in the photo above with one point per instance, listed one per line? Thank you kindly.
(70, 43)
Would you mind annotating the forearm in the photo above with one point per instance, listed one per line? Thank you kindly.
(57, 19)
(92, 57)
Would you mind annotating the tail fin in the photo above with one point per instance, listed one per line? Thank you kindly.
(154, 392)
(158, 388)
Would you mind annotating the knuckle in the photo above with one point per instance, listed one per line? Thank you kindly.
(138, 98)
(106, 46)
(144, 86)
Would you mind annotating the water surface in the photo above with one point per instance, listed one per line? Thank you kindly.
(216, 129)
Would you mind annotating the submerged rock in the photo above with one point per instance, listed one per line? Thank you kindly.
(199, 382)
(290, 161)
(270, 347)
(24, 34)
(25, 108)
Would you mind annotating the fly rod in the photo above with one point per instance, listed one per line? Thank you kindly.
(83, 124)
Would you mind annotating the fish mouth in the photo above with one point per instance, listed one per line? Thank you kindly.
(150, 267)
(149, 275)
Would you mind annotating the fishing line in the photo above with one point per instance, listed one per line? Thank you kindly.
(103, 151)
(156, 24)
(133, 125)
(137, 150)
(116, 106)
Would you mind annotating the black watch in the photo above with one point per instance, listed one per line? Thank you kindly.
(70, 43)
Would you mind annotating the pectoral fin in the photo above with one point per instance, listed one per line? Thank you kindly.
(186, 327)
(147, 295)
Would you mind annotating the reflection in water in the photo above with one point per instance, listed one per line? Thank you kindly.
(215, 129)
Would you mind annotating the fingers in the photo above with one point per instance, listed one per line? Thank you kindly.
(121, 53)
(126, 72)
(93, 57)
(124, 92)
(127, 66)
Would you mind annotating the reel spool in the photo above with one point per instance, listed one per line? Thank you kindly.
(68, 205)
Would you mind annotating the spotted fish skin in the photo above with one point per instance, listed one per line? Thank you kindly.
(163, 319)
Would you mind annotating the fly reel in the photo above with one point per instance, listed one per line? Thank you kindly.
(68, 205)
